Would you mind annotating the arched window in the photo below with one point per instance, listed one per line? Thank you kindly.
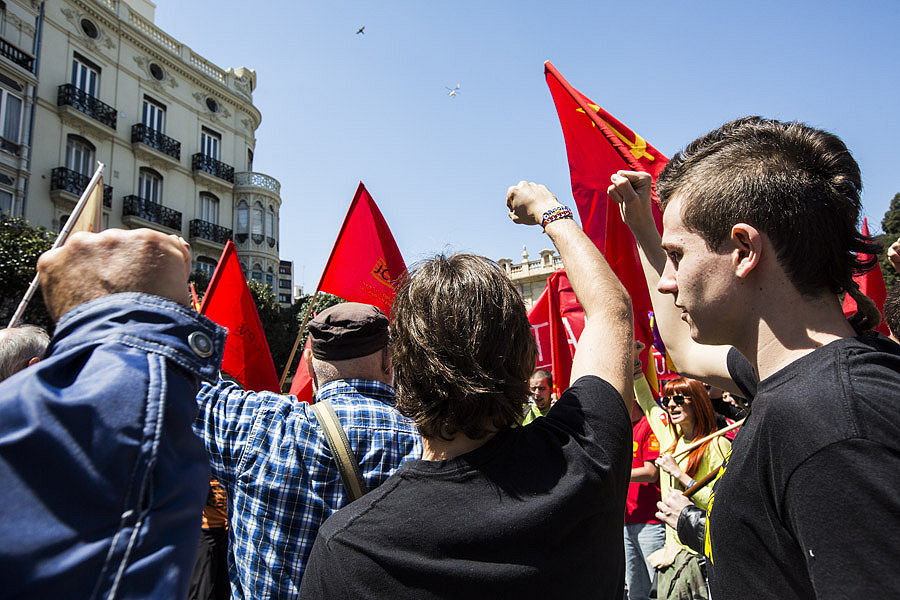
(209, 208)
(150, 185)
(257, 273)
(270, 279)
(270, 228)
(206, 265)
(256, 223)
(79, 155)
(241, 224)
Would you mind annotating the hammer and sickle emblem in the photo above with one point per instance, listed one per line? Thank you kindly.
(638, 146)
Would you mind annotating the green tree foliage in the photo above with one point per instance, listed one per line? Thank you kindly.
(890, 224)
(20, 246)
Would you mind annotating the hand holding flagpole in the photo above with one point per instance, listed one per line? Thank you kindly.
(60, 240)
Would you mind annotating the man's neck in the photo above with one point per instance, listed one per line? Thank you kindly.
(440, 449)
(790, 327)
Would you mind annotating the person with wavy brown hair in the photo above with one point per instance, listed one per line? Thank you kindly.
(492, 510)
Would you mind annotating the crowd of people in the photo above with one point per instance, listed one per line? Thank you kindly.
(436, 463)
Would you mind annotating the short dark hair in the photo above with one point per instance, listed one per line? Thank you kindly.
(462, 347)
(797, 184)
(892, 309)
(543, 374)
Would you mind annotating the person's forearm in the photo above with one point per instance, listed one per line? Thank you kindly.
(596, 286)
(645, 474)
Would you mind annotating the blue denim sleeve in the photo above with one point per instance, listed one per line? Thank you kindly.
(103, 478)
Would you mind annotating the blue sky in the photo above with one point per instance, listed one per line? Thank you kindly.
(339, 107)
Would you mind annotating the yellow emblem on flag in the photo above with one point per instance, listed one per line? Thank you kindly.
(638, 146)
(381, 273)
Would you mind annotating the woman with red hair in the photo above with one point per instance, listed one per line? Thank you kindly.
(688, 416)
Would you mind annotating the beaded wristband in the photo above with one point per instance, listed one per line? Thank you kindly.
(555, 214)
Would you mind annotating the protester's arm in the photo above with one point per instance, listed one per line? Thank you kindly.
(631, 190)
(645, 474)
(655, 414)
(841, 505)
(605, 345)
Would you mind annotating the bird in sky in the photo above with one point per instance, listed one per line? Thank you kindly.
(453, 91)
(361, 30)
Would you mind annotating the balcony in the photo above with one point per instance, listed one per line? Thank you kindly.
(69, 95)
(270, 241)
(20, 57)
(258, 180)
(8, 146)
(204, 230)
(207, 164)
(72, 184)
(138, 211)
(160, 143)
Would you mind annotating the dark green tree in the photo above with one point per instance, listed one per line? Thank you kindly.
(890, 224)
(20, 246)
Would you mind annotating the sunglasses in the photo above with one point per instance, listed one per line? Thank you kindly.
(677, 398)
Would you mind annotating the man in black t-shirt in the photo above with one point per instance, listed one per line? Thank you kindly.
(759, 238)
(492, 510)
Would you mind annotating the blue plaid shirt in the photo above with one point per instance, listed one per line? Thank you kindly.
(270, 454)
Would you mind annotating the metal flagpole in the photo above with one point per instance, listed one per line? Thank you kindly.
(60, 240)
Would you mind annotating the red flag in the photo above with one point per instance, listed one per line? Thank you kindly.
(302, 385)
(228, 302)
(872, 285)
(365, 261)
(557, 321)
(363, 266)
(539, 317)
(598, 145)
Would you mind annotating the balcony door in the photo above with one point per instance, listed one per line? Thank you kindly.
(209, 143)
(209, 208)
(79, 155)
(85, 76)
(154, 115)
(150, 185)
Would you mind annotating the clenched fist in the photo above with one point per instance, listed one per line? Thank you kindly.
(527, 202)
(91, 265)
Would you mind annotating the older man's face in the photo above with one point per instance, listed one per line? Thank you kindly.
(540, 391)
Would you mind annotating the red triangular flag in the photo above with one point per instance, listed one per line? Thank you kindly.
(872, 285)
(365, 261)
(302, 385)
(566, 325)
(363, 266)
(539, 317)
(598, 145)
(229, 303)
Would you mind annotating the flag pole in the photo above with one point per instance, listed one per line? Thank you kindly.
(290, 359)
(711, 436)
(704, 481)
(60, 240)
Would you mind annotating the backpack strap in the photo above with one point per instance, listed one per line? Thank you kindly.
(337, 440)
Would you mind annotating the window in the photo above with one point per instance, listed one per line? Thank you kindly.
(90, 29)
(206, 265)
(243, 218)
(249, 159)
(284, 298)
(150, 185)
(85, 75)
(284, 270)
(209, 143)
(79, 155)
(157, 72)
(6, 202)
(256, 224)
(257, 274)
(10, 115)
(284, 284)
(212, 105)
(154, 115)
(209, 208)
(270, 223)
(270, 279)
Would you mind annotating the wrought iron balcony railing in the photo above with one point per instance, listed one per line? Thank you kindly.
(74, 182)
(69, 95)
(157, 140)
(151, 211)
(21, 58)
(209, 231)
(207, 164)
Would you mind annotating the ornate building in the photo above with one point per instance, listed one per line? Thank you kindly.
(530, 276)
(176, 132)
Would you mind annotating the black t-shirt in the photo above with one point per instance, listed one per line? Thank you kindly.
(536, 512)
(809, 503)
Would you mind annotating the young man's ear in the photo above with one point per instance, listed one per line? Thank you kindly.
(747, 243)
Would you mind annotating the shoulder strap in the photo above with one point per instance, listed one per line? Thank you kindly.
(340, 448)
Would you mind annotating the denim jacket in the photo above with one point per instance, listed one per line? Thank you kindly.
(102, 481)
